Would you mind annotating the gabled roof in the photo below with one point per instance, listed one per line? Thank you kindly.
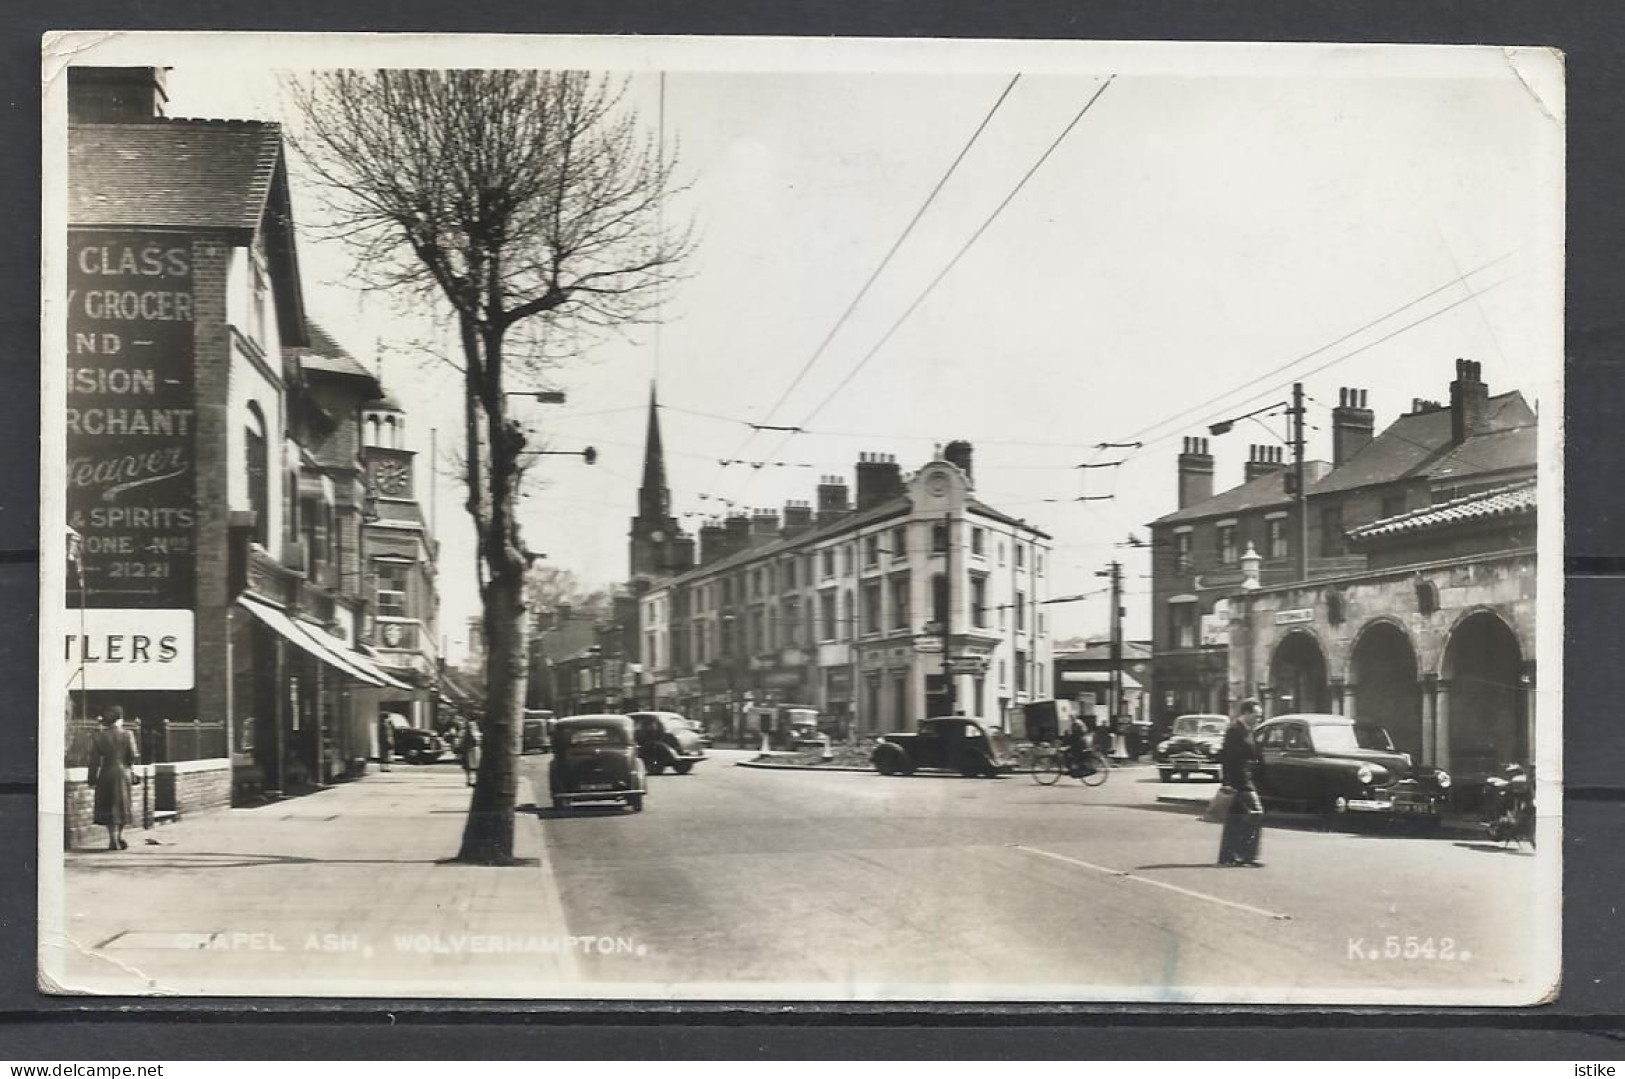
(1512, 500)
(327, 356)
(1419, 444)
(1261, 493)
(196, 174)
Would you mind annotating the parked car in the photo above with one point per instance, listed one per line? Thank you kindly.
(666, 740)
(787, 726)
(961, 744)
(1337, 764)
(536, 731)
(595, 759)
(1191, 748)
(415, 745)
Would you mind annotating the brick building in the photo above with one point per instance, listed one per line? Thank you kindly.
(213, 483)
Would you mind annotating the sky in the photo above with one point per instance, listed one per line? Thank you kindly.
(1201, 237)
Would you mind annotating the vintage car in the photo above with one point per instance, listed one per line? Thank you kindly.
(702, 731)
(786, 726)
(958, 743)
(1191, 748)
(667, 740)
(536, 731)
(1337, 764)
(413, 744)
(595, 759)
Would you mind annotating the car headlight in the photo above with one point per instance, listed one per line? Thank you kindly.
(1442, 778)
(1365, 775)
(1162, 747)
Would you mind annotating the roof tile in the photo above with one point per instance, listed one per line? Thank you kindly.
(202, 174)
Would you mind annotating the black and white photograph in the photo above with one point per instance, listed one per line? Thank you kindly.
(772, 520)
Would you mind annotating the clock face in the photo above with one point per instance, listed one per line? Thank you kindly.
(658, 536)
(392, 477)
(938, 485)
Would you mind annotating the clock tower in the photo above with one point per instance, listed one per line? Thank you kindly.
(656, 547)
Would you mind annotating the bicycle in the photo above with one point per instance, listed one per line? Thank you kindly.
(1050, 764)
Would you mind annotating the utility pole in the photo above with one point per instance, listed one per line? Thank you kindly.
(1117, 641)
(1300, 492)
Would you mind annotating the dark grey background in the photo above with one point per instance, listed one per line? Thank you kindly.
(1586, 1022)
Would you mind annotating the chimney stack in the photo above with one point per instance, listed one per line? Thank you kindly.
(1195, 472)
(880, 478)
(1353, 425)
(682, 554)
(958, 452)
(1262, 460)
(713, 541)
(764, 524)
(116, 95)
(798, 518)
(1469, 400)
(736, 533)
(832, 498)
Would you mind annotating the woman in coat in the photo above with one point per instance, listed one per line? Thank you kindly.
(113, 758)
(469, 746)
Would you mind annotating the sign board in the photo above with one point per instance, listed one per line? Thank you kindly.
(131, 420)
(130, 648)
(967, 665)
(1295, 616)
(1215, 630)
(928, 645)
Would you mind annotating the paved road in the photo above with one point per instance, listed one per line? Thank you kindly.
(844, 884)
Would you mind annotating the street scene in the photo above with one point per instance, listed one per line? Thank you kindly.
(737, 526)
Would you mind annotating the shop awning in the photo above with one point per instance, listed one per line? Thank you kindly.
(373, 667)
(1100, 678)
(317, 644)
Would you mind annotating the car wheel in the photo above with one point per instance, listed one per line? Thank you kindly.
(887, 759)
(636, 802)
(656, 767)
(682, 768)
(977, 765)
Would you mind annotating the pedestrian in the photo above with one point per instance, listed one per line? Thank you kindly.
(386, 742)
(468, 744)
(113, 757)
(1238, 761)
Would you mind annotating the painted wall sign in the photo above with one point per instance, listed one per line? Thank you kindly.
(131, 420)
(130, 649)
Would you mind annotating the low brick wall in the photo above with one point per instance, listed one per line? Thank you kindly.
(183, 787)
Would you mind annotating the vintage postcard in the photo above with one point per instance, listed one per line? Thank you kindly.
(774, 520)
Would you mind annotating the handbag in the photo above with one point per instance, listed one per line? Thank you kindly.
(1219, 807)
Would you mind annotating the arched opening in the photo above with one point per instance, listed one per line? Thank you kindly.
(1482, 664)
(1298, 676)
(1385, 686)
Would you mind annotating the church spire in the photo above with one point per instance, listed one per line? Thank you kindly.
(654, 500)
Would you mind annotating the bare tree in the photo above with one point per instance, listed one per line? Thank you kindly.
(531, 203)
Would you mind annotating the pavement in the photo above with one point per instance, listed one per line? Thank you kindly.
(341, 892)
(741, 883)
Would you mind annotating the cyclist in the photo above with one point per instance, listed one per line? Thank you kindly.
(1074, 744)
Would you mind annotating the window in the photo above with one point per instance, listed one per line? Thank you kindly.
(789, 574)
(826, 609)
(1038, 563)
(1021, 671)
(1182, 624)
(978, 601)
(258, 464)
(1004, 674)
(828, 562)
(850, 610)
(939, 538)
(1228, 554)
(790, 624)
(899, 543)
(1001, 552)
(1276, 529)
(978, 542)
(846, 560)
(939, 598)
(390, 579)
(1021, 611)
(899, 602)
(1182, 552)
(871, 608)
(871, 551)
(1331, 531)
(1021, 555)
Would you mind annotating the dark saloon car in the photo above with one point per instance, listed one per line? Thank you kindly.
(1191, 748)
(595, 759)
(536, 731)
(667, 740)
(1335, 765)
(958, 743)
(415, 745)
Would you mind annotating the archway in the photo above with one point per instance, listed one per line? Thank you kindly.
(1383, 673)
(1298, 675)
(1482, 664)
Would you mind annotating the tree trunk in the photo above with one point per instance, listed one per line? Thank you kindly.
(488, 835)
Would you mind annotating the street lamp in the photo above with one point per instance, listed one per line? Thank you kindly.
(1300, 494)
(589, 455)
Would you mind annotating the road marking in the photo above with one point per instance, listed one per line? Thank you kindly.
(1109, 871)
